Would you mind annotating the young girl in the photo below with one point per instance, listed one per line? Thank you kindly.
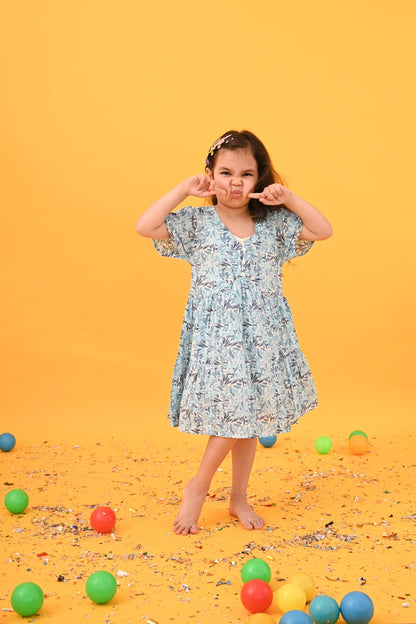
(240, 373)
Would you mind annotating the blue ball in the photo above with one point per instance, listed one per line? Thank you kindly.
(268, 441)
(7, 442)
(324, 610)
(357, 608)
(296, 617)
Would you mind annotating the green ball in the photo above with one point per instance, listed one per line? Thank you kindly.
(324, 610)
(255, 569)
(27, 599)
(101, 586)
(16, 501)
(323, 445)
(357, 432)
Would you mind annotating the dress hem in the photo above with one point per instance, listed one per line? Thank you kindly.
(273, 430)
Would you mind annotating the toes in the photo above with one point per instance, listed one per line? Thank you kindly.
(258, 524)
(179, 527)
(182, 528)
(251, 523)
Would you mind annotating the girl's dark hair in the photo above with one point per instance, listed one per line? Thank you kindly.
(245, 139)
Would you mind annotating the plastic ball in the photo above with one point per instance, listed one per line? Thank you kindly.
(256, 595)
(27, 599)
(357, 432)
(290, 597)
(306, 582)
(16, 501)
(357, 608)
(295, 617)
(268, 441)
(101, 586)
(324, 610)
(103, 519)
(323, 445)
(256, 569)
(358, 445)
(7, 442)
(261, 618)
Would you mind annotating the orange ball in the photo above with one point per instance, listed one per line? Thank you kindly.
(358, 445)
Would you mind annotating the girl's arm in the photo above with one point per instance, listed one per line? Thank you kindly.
(315, 226)
(152, 222)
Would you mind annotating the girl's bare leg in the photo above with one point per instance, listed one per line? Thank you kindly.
(243, 453)
(197, 488)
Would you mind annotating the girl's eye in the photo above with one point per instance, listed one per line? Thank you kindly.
(227, 173)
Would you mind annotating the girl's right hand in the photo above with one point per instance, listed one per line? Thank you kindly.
(201, 186)
(152, 222)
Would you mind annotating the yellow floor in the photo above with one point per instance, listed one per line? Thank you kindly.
(348, 521)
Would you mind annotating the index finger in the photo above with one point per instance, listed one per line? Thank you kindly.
(213, 192)
(255, 195)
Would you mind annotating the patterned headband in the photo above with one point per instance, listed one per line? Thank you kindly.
(217, 145)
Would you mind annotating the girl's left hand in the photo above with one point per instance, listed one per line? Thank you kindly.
(273, 195)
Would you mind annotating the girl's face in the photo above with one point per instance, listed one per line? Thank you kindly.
(235, 171)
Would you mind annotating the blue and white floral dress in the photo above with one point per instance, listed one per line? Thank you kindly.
(239, 372)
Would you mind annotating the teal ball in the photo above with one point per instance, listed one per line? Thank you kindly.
(357, 608)
(7, 442)
(268, 441)
(324, 610)
(295, 616)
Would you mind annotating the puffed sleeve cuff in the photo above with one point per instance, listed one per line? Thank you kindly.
(181, 227)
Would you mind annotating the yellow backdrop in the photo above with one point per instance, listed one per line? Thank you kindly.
(106, 105)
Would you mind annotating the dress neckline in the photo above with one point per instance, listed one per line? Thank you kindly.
(241, 239)
(244, 239)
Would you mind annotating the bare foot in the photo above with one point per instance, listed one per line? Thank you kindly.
(248, 518)
(190, 509)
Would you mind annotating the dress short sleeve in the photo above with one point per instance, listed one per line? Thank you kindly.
(182, 229)
(288, 227)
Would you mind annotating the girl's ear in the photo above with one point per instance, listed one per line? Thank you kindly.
(209, 173)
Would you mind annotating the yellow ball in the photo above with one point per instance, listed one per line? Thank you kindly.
(290, 596)
(306, 582)
(261, 618)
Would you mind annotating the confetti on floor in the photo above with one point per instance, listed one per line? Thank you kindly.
(348, 521)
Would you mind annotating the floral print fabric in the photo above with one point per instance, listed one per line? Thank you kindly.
(239, 372)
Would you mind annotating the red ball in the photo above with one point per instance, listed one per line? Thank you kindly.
(103, 519)
(256, 595)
